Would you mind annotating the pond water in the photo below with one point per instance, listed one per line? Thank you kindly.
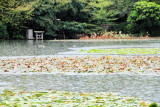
(45, 47)
(146, 87)
(142, 86)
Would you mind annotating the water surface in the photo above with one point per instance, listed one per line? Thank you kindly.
(146, 87)
(143, 86)
(45, 47)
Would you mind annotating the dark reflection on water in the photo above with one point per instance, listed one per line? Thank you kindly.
(45, 47)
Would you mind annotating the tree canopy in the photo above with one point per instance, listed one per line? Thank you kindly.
(71, 17)
(14, 14)
(145, 17)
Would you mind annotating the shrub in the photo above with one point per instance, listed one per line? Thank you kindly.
(153, 105)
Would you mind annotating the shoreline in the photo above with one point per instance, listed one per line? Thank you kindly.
(109, 39)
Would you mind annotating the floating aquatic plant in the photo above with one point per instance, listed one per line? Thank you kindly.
(85, 64)
(69, 99)
(124, 51)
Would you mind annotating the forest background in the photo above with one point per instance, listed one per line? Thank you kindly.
(72, 17)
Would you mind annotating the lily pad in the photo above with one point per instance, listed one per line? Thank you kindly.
(124, 51)
(69, 99)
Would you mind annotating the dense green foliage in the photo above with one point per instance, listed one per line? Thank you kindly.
(71, 17)
(145, 17)
(3, 31)
(14, 15)
(44, 17)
